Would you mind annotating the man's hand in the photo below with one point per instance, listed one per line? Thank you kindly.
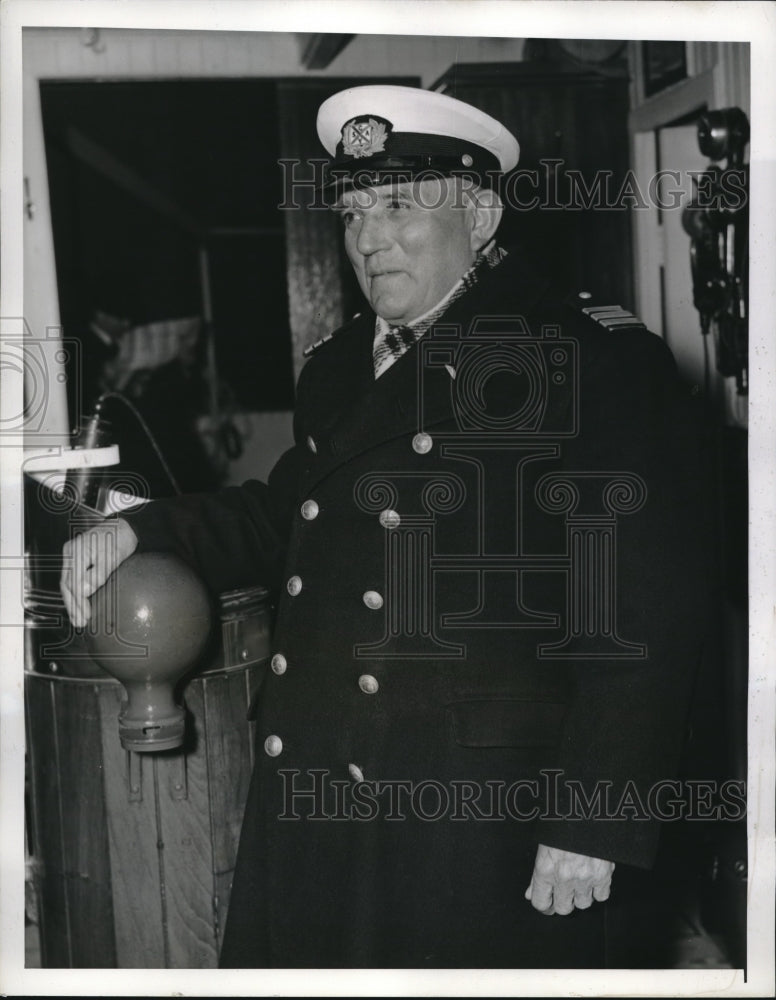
(87, 562)
(563, 880)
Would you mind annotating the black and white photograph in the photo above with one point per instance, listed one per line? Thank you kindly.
(386, 481)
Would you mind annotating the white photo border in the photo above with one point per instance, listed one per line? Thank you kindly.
(748, 22)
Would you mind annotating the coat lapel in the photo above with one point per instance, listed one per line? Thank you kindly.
(416, 392)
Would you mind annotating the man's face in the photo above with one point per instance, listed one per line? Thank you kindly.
(408, 244)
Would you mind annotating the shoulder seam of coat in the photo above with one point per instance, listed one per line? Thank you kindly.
(317, 344)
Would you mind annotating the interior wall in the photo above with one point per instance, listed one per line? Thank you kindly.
(717, 77)
(663, 131)
(72, 53)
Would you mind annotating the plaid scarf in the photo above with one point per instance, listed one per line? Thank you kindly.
(392, 341)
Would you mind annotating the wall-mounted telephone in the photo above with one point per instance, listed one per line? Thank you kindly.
(717, 221)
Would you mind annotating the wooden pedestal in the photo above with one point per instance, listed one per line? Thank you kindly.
(133, 853)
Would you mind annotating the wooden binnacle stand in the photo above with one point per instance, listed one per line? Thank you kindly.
(133, 852)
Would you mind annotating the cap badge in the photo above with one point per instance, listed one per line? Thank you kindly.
(365, 136)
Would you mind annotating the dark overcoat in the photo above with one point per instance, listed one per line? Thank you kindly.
(487, 625)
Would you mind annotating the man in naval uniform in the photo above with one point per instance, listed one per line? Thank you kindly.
(486, 620)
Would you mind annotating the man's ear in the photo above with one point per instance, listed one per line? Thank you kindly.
(487, 209)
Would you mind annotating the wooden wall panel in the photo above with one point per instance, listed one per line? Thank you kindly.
(134, 852)
(48, 846)
(228, 746)
(132, 836)
(87, 872)
(63, 52)
(185, 828)
(312, 244)
(577, 117)
(71, 846)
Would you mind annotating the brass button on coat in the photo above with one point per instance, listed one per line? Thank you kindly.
(368, 684)
(390, 519)
(273, 746)
(310, 510)
(422, 443)
(373, 600)
(294, 585)
(279, 664)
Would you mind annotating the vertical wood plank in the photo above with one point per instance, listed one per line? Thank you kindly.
(84, 826)
(222, 888)
(46, 825)
(701, 56)
(157, 54)
(187, 856)
(312, 237)
(132, 840)
(230, 740)
(578, 119)
(229, 756)
(139, 848)
(212, 55)
(732, 76)
(60, 52)
(139, 58)
(648, 247)
(69, 824)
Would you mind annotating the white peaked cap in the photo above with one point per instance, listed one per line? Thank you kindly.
(418, 122)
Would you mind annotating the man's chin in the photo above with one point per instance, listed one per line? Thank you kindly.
(391, 314)
(392, 310)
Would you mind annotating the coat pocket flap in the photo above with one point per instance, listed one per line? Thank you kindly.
(505, 723)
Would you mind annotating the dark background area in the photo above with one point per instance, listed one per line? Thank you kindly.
(566, 118)
(209, 147)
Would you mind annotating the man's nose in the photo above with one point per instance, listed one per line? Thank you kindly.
(373, 234)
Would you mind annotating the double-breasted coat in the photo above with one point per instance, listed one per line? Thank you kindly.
(486, 577)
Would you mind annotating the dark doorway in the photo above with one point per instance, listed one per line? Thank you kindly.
(206, 148)
(145, 178)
